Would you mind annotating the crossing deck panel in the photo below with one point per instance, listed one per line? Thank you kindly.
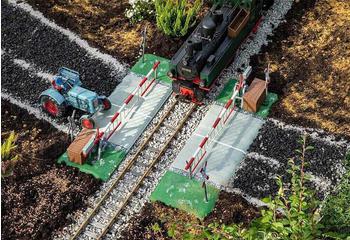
(141, 113)
(228, 148)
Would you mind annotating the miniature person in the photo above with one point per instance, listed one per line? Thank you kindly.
(59, 80)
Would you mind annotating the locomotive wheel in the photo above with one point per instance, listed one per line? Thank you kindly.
(106, 103)
(199, 94)
(87, 122)
(52, 107)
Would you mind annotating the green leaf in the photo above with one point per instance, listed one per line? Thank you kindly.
(266, 200)
(171, 232)
(278, 226)
(188, 225)
(309, 147)
(187, 236)
(216, 236)
(307, 176)
(156, 227)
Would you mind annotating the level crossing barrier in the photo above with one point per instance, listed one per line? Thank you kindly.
(123, 112)
(216, 128)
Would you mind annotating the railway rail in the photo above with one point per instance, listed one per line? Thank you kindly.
(95, 226)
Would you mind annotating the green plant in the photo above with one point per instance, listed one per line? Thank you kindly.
(8, 159)
(288, 217)
(174, 17)
(336, 209)
(139, 10)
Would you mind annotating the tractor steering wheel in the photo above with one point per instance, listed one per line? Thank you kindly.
(66, 81)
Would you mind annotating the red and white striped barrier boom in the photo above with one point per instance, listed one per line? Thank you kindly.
(122, 113)
(219, 123)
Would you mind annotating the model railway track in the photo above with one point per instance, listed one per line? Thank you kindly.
(95, 227)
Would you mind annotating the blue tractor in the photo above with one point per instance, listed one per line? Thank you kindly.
(66, 91)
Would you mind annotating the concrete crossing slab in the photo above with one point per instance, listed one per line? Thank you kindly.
(141, 113)
(227, 150)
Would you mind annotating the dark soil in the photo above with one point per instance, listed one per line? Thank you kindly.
(309, 56)
(230, 208)
(37, 200)
(103, 24)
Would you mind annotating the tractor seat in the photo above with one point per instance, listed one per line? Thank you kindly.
(55, 86)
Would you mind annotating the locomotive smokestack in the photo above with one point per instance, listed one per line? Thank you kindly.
(189, 48)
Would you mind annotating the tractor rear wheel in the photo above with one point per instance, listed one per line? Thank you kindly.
(87, 122)
(52, 107)
(106, 103)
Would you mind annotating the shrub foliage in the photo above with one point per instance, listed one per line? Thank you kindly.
(174, 17)
(336, 210)
(8, 158)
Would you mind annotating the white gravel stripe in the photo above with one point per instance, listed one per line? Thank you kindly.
(32, 110)
(108, 59)
(259, 156)
(321, 183)
(48, 77)
(313, 133)
(252, 200)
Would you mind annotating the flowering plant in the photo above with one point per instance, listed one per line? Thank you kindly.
(140, 10)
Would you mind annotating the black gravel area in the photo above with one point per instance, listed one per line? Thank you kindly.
(28, 87)
(276, 142)
(25, 37)
(21, 83)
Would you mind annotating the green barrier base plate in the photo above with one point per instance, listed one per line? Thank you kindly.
(227, 92)
(110, 160)
(186, 194)
(149, 60)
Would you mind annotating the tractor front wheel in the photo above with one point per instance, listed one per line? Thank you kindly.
(106, 103)
(52, 107)
(87, 122)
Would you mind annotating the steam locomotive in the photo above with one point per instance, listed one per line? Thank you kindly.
(211, 47)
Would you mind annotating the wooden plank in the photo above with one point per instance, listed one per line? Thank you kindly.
(75, 149)
(254, 96)
(238, 23)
